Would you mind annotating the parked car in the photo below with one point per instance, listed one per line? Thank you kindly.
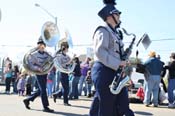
(138, 82)
(1, 77)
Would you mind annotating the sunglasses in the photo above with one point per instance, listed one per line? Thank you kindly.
(115, 12)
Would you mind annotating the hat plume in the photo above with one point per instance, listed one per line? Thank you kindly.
(109, 2)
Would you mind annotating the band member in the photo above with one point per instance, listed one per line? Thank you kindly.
(108, 50)
(64, 60)
(35, 62)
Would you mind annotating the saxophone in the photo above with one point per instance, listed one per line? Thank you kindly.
(120, 80)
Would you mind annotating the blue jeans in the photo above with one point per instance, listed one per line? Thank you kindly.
(152, 86)
(49, 88)
(14, 84)
(171, 88)
(56, 82)
(74, 87)
(89, 86)
(80, 88)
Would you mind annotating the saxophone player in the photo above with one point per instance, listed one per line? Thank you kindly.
(36, 61)
(108, 50)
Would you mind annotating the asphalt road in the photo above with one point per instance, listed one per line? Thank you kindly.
(12, 105)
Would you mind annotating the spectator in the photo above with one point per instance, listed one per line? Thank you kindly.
(21, 84)
(84, 68)
(171, 80)
(8, 77)
(89, 83)
(15, 75)
(29, 84)
(154, 67)
(50, 79)
(76, 77)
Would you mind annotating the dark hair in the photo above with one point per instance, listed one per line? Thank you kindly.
(10, 65)
(172, 55)
(64, 45)
(89, 59)
(77, 61)
(16, 69)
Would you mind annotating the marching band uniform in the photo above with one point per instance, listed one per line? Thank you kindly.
(108, 48)
(36, 62)
(63, 60)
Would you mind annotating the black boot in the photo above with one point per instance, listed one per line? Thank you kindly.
(26, 103)
(89, 95)
(54, 97)
(67, 104)
(47, 109)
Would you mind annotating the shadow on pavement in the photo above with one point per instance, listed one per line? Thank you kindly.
(69, 114)
(135, 100)
(61, 113)
(143, 113)
(85, 107)
(86, 99)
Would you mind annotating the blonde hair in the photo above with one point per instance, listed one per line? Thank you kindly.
(152, 54)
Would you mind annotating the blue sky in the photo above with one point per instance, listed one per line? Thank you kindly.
(22, 21)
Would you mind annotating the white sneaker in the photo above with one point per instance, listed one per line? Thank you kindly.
(171, 105)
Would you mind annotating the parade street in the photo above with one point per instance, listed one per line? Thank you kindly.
(12, 105)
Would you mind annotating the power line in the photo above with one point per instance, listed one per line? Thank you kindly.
(76, 45)
(163, 39)
(5, 45)
(168, 39)
(81, 45)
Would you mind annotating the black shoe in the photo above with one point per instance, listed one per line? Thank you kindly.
(46, 109)
(147, 105)
(26, 103)
(155, 105)
(70, 98)
(67, 104)
(76, 97)
(54, 98)
(89, 96)
(60, 94)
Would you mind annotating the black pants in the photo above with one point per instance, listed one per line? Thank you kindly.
(64, 78)
(41, 80)
(28, 89)
(105, 103)
(164, 86)
(7, 83)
